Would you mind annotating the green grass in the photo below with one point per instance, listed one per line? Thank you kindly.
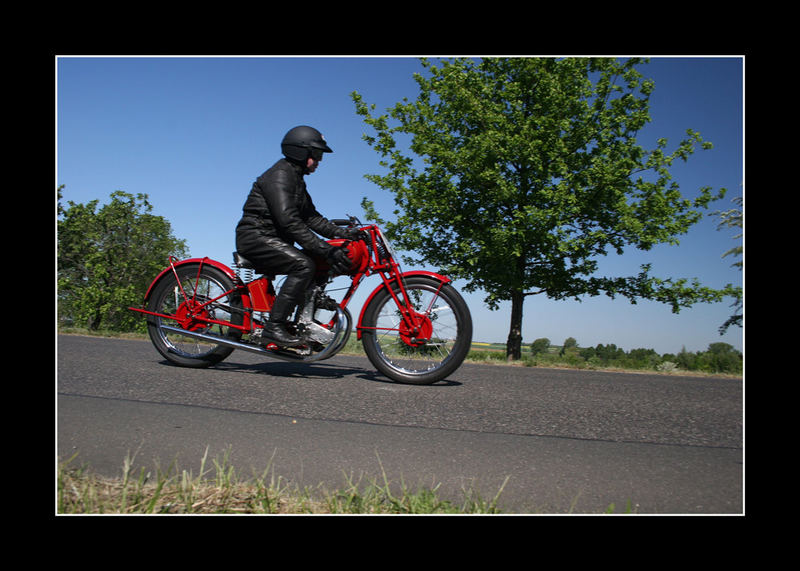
(218, 489)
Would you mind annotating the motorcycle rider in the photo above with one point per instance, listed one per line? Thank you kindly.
(279, 212)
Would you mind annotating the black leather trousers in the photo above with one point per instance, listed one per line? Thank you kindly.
(273, 256)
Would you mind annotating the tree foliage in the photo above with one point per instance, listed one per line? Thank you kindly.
(540, 345)
(107, 258)
(530, 171)
(734, 218)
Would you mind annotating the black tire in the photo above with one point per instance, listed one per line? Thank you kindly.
(429, 362)
(167, 299)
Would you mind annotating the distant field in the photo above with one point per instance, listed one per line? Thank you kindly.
(481, 346)
(526, 348)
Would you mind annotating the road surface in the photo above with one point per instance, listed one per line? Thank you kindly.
(564, 441)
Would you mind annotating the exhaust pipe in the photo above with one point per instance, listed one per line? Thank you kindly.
(327, 352)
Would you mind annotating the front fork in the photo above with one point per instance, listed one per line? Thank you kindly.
(414, 325)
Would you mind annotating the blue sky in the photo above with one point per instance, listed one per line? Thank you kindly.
(194, 133)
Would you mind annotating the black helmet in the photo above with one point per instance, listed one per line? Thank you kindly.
(299, 143)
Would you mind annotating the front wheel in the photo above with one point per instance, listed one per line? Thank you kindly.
(434, 348)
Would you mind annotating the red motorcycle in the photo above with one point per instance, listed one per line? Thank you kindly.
(415, 327)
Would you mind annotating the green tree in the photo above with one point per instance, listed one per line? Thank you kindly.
(530, 170)
(608, 353)
(107, 258)
(686, 360)
(569, 343)
(540, 345)
(723, 358)
(734, 218)
(642, 358)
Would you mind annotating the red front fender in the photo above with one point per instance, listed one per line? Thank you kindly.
(204, 261)
(433, 276)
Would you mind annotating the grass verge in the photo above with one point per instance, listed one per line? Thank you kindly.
(477, 354)
(220, 490)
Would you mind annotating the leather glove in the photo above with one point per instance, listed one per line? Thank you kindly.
(355, 235)
(338, 260)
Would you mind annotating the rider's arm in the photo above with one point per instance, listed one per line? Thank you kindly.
(286, 214)
(318, 223)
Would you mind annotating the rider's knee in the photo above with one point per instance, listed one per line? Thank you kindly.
(304, 266)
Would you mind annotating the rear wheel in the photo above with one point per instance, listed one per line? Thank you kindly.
(433, 347)
(183, 300)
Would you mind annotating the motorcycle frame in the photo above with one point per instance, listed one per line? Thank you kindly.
(382, 263)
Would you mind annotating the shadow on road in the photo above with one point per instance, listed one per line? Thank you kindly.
(308, 371)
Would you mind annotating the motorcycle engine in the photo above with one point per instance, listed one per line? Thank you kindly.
(307, 326)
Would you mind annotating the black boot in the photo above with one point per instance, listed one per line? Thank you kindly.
(276, 332)
(275, 328)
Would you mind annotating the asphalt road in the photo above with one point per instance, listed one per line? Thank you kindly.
(564, 441)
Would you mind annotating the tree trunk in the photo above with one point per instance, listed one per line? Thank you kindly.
(514, 343)
(93, 323)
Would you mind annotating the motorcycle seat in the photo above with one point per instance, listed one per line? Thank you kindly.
(242, 262)
(246, 264)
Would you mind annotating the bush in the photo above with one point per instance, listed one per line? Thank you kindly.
(667, 367)
(718, 358)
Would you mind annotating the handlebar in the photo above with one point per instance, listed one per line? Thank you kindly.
(349, 221)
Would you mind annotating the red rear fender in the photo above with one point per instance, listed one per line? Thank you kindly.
(205, 261)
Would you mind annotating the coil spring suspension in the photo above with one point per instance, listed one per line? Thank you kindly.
(244, 274)
(382, 253)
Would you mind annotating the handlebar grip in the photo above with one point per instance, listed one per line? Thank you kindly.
(340, 222)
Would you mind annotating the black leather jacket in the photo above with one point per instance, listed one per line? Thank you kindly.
(279, 206)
